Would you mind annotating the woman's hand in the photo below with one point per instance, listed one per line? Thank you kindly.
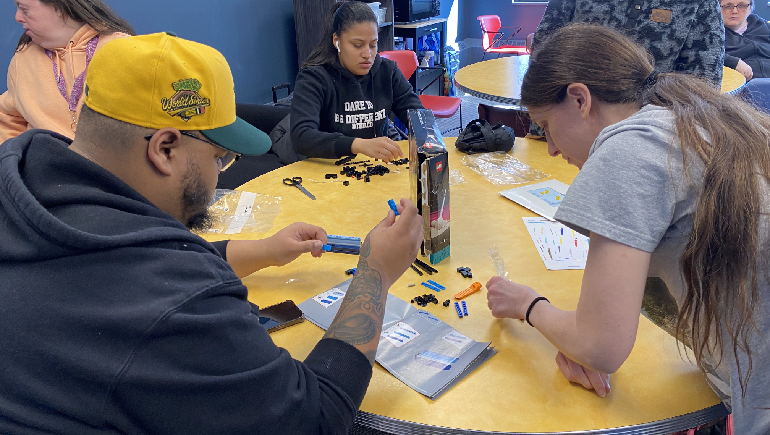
(508, 299)
(378, 148)
(744, 69)
(589, 379)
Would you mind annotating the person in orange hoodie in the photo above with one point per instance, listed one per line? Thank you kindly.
(46, 75)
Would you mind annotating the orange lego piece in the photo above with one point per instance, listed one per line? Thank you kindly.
(476, 286)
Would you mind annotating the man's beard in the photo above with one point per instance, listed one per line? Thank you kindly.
(196, 198)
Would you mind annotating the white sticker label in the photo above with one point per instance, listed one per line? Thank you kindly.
(242, 212)
(457, 339)
(329, 297)
(400, 334)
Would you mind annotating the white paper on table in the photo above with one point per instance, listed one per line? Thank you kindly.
(560, 247)
(242, 212)
(543, 198)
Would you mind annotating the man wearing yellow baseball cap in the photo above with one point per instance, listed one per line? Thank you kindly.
(115, 317)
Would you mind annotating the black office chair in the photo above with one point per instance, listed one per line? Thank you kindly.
(265, 118)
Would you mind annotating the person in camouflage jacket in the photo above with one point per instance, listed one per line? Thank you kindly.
(683, 36)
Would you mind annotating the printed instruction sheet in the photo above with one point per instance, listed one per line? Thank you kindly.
(543, 198)
(560, 247)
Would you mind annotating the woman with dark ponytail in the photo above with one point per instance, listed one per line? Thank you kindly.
(673, 184)
(345, 91)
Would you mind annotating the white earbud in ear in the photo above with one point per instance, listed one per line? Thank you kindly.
(337, 43)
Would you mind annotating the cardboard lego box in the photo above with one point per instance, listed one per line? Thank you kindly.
(429, 181)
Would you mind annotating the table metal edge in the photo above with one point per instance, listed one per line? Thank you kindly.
(495, 98)
(661, 427)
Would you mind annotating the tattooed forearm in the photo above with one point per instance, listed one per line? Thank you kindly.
(359, 319)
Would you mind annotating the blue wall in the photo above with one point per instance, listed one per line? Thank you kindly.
(256, 36)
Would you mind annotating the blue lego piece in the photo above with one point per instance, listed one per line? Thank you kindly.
(393, 207)
(343, 244)
(459, 311)
(465, 309)
(431, 286)
(437, 284)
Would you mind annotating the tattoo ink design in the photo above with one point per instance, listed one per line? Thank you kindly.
(360, 317)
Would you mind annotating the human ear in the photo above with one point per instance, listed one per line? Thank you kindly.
(163, 150)
(336, 42)
(579, 97)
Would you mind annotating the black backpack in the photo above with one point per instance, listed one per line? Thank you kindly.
(479, 137)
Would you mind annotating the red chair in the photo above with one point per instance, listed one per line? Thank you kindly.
(492, 36)
(442, 107)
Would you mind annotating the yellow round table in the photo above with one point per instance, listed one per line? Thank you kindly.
(500, 79)
(520, 389)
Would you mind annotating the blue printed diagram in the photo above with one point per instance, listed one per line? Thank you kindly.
(458, 340)
(437, 360)
(549, 195)
(329, 297)
(400, 334)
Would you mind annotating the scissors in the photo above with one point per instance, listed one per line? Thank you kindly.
(297, 182)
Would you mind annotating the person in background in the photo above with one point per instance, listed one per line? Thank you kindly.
(687, 170)
(45, 77)
(683, 36)
(747, 39)
(115, 317)
(345, 91)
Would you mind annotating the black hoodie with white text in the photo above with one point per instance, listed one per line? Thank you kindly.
(331, 106)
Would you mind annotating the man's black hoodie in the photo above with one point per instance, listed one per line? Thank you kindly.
(332, 106)
(116, 319)
(753, 47)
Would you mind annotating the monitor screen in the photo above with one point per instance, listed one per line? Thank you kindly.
(421, 6)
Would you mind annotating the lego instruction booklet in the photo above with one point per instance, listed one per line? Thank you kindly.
(415, 346)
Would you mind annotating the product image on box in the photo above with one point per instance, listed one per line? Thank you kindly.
(429, 182)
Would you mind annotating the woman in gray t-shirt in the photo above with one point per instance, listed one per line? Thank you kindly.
(674, 185)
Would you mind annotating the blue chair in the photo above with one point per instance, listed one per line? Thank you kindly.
(757, 92)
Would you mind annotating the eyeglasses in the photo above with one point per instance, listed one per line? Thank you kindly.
(223, 162)
(729, 7)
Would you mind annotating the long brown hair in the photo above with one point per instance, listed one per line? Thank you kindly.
(95, 13)
(342, 15)
(720, 261)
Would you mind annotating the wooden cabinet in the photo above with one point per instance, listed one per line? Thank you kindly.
(310, 19)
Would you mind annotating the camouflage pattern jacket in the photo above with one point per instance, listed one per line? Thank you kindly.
(683, 36)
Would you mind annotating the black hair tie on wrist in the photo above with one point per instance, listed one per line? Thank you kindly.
(532, 305)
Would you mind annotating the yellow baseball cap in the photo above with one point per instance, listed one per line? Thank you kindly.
(160, 80)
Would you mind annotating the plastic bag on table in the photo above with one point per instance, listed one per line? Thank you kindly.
(500, 168)
(456, 177)
(234, 212)
(497, 261)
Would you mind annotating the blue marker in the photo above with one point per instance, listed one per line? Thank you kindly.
(465, 309)
(393, 207)
(430, 286)
(437, 284)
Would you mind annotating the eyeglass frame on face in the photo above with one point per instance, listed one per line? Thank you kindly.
(223, 162)
(740, 6)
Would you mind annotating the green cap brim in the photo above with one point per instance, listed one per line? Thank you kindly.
(240, 137)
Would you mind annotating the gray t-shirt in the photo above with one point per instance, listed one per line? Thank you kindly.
(633, 190)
